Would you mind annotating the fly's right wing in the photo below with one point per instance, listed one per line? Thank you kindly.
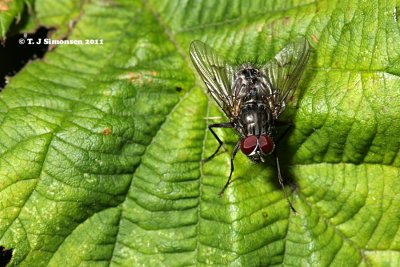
(284, 72)
(216, 74)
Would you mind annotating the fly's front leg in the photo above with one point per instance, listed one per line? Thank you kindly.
(218, 125)
(280, 179)
(289, 125)
(235, 150)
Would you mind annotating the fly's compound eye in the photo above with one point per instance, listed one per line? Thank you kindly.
(266, 144)
(248, 145)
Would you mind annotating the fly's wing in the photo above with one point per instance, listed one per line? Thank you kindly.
(216, 74)
(284, 72)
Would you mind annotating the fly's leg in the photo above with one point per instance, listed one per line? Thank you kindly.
(281, 182)
(289, 124)
(218, 125)
(235, 150)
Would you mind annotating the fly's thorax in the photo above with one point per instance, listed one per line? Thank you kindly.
(254, 119)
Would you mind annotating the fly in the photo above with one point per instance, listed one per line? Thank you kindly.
(252, 97)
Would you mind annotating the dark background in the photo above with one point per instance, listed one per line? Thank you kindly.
(14, 56)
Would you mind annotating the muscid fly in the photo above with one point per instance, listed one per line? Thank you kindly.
(252, 97)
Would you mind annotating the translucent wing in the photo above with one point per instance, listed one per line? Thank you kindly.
(216, 74)
(284, 72)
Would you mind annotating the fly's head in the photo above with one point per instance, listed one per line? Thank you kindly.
(255, 148)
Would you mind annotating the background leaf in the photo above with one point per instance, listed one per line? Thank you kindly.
(10, 11)
(101, 145)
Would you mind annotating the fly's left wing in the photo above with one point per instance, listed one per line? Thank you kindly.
(284, 72)
(216, 74)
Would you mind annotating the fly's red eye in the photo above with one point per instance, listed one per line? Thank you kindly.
(266, 144)
(249, 144)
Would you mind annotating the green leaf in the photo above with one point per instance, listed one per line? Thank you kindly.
(61, 15)
(101, 145)
(9, 11)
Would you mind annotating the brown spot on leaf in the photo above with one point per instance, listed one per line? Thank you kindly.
(314, 38)
(107, 131)
(3, 6)
(286, 20)
(134, 76)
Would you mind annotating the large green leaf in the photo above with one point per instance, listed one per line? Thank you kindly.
(101, 145)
